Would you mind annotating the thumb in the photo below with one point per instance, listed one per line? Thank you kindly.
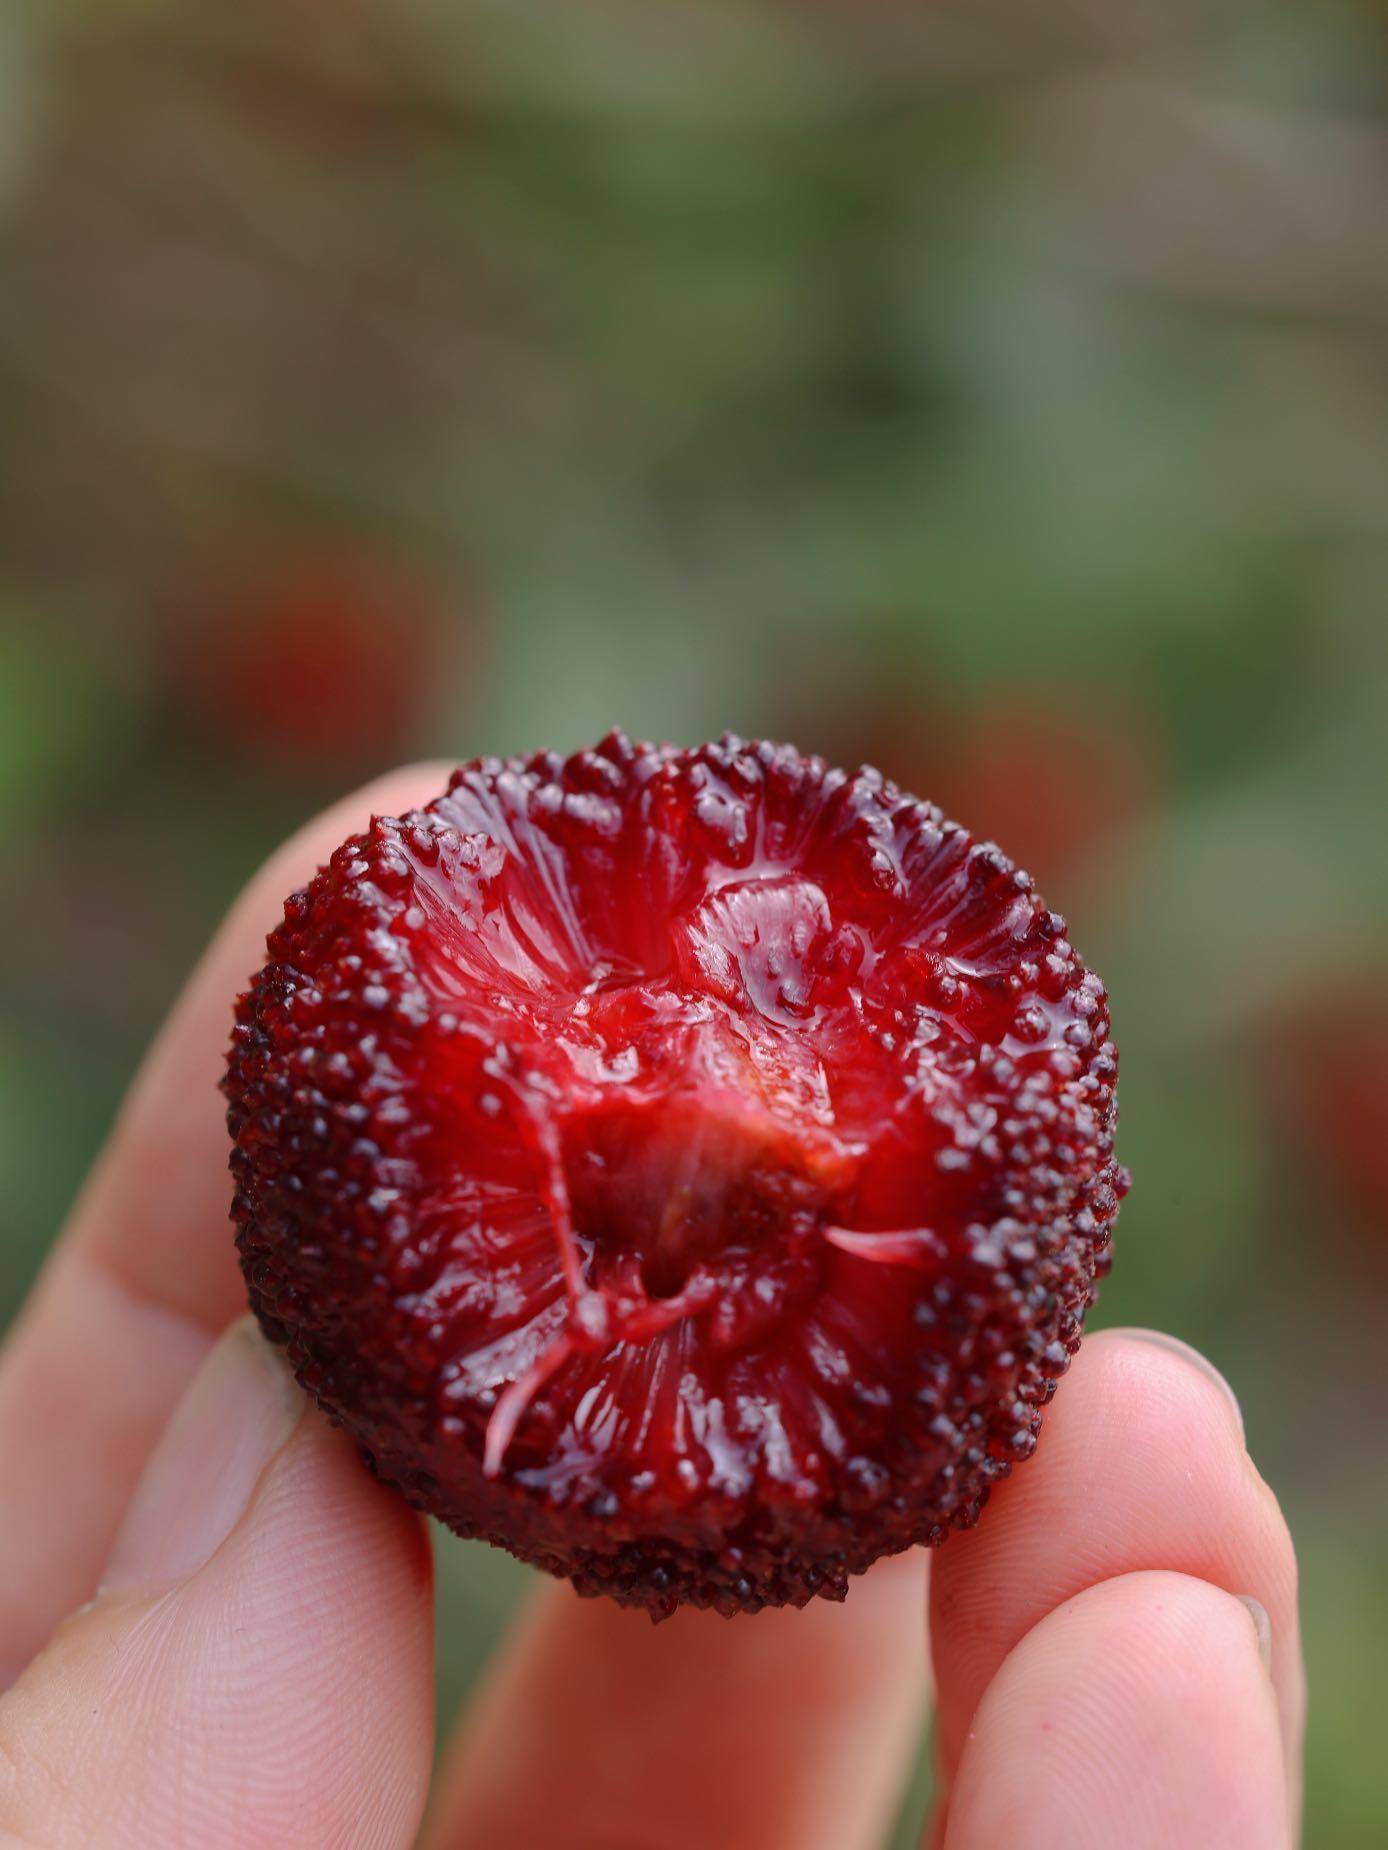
(256, 1668)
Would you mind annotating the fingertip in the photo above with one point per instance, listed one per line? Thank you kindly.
(1136, 1412)
(1135, 1344)
(1142, 1465)
(255, 1491)
(326, 1534)
(1138, 1711)
(242, 1408)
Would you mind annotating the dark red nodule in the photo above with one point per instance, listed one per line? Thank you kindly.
(688, 1170)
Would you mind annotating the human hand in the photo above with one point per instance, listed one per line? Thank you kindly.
(252, 1663)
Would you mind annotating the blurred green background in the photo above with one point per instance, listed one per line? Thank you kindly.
(995, 391)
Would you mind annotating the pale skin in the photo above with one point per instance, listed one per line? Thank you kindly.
(216, 1629)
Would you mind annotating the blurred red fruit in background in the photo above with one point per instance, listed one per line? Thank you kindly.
(1329, 1068)
(326, 658)
(1049, 783)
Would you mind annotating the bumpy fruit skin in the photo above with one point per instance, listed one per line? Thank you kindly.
(688, 1170)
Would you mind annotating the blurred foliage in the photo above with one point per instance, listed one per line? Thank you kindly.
(994, 390)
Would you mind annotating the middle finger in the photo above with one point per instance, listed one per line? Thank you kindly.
(782, 1731)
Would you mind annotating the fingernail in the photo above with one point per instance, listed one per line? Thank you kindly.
(1262, 1627)
(1202, 1364)
(238, 1413)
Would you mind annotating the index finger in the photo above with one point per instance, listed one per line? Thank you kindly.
(1142, 1467)
(144, 1275)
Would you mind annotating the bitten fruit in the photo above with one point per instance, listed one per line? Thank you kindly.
(686, 1169)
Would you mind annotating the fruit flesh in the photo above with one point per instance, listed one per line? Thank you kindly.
(688, 1170)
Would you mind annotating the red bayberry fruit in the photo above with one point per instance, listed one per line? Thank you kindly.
(686, 1169)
